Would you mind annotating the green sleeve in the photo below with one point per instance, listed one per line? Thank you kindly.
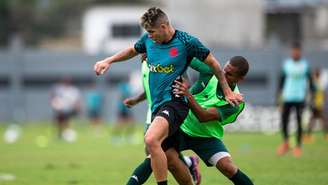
(205, 74)
(200, 66)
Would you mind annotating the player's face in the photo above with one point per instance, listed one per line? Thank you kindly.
(157, 34)
(231, 74)
(296, 53)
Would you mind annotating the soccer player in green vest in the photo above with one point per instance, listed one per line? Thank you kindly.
(202, 130)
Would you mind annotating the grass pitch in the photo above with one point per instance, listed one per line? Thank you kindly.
(38, 158)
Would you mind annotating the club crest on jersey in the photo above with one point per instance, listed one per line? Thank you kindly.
(173, 52)
(161, 69)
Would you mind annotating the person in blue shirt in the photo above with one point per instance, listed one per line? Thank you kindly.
(124, 127)
(293, 87)
(169, 52)
(94, 106)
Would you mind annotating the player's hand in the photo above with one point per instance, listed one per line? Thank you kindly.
(130, 102)
(101, 67)
(180, 89)
(234, 99)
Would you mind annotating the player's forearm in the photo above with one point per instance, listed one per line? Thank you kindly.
(141, 97)
(202, 114)
(218, 72)
(122, 55)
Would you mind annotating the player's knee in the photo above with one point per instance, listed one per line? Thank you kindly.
(226, 167)
(151, 143)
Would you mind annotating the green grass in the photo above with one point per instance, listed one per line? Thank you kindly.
(95, 161)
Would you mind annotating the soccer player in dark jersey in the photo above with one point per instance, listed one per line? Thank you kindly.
(169, 52)
(179, 169)
(202, 130)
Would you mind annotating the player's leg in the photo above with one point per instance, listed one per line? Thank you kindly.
(284, 147)
(118, 129)
(166, 123)
(141, 174)
(324, 124)
(231, 171)
(155, 135)
(213, 152)
(308, 137)
(299, 110)
(181, 167)
(192, 162)
(62, 123)
(178, 168)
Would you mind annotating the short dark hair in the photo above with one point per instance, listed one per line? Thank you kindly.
(241, 64)
(153, 17)
(296, 45)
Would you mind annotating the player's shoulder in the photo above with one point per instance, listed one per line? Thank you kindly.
(184, 37)
(144, 36)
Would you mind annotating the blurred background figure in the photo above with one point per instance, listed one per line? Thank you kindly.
(292, 90)
(123, 129)
(94, 107)
(65, 101)
(317, 108)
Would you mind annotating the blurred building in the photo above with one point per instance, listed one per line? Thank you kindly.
(304, 20)
(228, 23)
(109, 29)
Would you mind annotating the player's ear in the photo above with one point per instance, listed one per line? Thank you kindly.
(163, 26)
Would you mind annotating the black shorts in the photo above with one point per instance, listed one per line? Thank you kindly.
(174, 112)
(64, 116)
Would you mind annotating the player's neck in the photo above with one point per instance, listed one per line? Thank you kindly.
(170, 34)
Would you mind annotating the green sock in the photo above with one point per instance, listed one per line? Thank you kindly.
(141, 173)
(241, 179)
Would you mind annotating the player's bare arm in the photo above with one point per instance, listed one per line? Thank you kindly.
(130, 102)
(102, 66)
(202, 114)
(231, 97)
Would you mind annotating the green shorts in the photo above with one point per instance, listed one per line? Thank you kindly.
(210, 150)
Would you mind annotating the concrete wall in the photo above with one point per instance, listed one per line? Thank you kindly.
(229, 23)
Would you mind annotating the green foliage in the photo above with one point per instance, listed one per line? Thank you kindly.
(95, 160)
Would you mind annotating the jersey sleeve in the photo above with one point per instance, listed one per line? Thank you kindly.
(140, 45)
(196, 49)
(205, 75)
(199, 66)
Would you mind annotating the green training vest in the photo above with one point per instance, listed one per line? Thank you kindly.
(145, 82)
(208, 98)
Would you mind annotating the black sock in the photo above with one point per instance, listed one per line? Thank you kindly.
(241, 179)
(141, 173)
(162, 183)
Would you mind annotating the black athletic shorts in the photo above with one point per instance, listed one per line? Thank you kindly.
(174, 112)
